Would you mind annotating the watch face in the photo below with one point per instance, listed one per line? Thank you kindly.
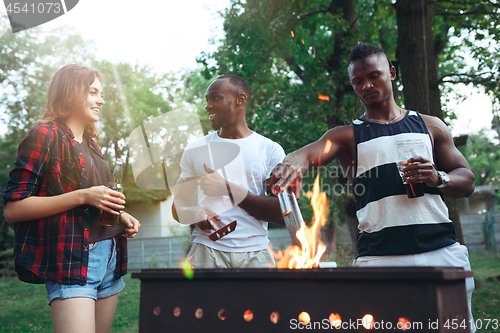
(445, 179)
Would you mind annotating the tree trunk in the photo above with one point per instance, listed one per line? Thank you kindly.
(455, 217)
(416, 53)
(343, 41)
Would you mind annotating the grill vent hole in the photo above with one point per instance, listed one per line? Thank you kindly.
(304, 317)
(177, 311)
(335, 320)
(198, 313)
(275, 317)
(222, 314)
(157, 310)
(404, 324)
(248, 315)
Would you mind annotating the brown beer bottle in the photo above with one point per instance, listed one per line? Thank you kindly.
(106, 218)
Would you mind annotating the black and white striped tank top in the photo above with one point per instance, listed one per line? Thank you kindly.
(389, 222)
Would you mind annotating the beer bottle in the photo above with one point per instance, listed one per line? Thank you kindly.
(106, 218)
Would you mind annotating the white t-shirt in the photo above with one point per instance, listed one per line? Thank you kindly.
(246, 162)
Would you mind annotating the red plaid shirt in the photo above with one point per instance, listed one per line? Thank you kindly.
(57, 247)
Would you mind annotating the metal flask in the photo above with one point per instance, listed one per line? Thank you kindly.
(291, 213)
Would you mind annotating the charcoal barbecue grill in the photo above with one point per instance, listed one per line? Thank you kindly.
(270, 300)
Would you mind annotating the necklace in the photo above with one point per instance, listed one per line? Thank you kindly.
(383, 121)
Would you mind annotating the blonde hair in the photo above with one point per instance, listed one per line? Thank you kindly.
(68, 91)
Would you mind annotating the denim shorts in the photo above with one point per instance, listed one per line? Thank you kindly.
(101, 281)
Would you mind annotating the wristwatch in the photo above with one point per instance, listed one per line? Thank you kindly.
(444, 178)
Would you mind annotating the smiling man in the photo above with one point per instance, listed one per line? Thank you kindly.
(396, 228)
(223, 176)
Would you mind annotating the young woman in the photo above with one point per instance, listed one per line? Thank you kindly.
(54, 196)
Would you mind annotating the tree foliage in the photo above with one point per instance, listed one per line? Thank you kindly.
(483, 156)
(132, 95)
(28, 60)
(292, 51)
(294, 56)
(27, 63)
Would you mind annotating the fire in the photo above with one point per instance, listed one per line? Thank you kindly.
(335, 320)
(328, 145)
(312, 248)
(323, 98)
(367, 321)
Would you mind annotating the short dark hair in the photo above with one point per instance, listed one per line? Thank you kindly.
(238, 83)
(362, 50)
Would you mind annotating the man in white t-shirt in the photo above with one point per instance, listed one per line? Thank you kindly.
(223, 176)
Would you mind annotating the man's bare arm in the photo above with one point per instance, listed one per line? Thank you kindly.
(262, 207)
(185, 207)
(450, 160)
(320, 153)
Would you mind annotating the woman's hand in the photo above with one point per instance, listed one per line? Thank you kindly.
(105, 199)
(132, 224)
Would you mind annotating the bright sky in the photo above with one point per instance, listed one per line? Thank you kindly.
(169, 35)
(473, 114)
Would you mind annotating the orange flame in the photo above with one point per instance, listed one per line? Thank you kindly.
(328, 145)
(323, 97)
(292, 33)
(312, 248)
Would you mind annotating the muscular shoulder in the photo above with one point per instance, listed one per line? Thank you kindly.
(340, 134)
(339, 141)
(437, 128)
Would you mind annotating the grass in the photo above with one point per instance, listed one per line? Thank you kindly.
(486, 296)
(24, 306)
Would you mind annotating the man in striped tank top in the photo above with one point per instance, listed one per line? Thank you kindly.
(394, 229)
